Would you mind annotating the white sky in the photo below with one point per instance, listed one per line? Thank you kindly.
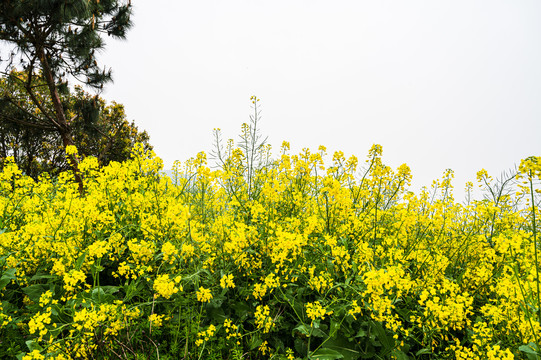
(439, 84)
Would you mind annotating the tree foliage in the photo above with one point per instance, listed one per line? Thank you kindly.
(99, 129)
(58, 40)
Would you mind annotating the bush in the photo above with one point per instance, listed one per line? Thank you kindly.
(283, 259)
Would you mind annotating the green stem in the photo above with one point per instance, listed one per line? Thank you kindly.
(535, 248)
(522, 292)
(309, 339)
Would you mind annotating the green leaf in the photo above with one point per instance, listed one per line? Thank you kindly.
(382, 336)
(7, 277)
(399, 355)
(530, 351)
(33, 345)
(298, 306)
(217, 301)
(104, 294)
(347, 348)
(326, 354)
(277, 344)
(301, 347)
(215, 313)
(335, 326)
(42, 276)
(303, 329)
(55, 309)
(241, 309)
(80, 261)
(34, 292)
(130, 290)
(361, 333)
(319, 333)
(255, 343)
(423, 351)
(110, 289)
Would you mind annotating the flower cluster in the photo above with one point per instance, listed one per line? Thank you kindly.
(262, 318)
(316, 311)
(203, 295)
(291, 257)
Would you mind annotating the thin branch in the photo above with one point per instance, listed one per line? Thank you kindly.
(35, 101)
(26, 123)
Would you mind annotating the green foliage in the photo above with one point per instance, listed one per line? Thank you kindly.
(53, 42)
(300, 261)
(100, 129)
(62, 37)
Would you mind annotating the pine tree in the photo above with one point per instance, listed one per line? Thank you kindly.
(99, 129)
(59, 40)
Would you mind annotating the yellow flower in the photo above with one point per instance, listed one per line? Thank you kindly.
(188, 251)
(37, 323)
(71, 150)
(264, 348)
(165, 287)
(289, 354)
(169, 252)
(259, 291)
(45, 298)
(72, 278)
(316, 311)
(98, 249)
(227, 281)
(156, 320)
(203, 295)
(34, 355)
(262, 318)
(355, 309)
(231, 329)
(321, 282)
(205, 335)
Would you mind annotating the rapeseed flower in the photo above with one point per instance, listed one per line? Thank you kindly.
(227, 281)
(169, 252)
(292, 234)
(263, 319)
(156, 320)
(203, 295)
(314, 311)
(165, 287)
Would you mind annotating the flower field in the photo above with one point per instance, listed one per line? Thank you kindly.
(295, 257)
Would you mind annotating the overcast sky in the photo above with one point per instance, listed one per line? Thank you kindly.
(439, 84)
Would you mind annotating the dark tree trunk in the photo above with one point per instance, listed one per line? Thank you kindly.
(61, 124)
